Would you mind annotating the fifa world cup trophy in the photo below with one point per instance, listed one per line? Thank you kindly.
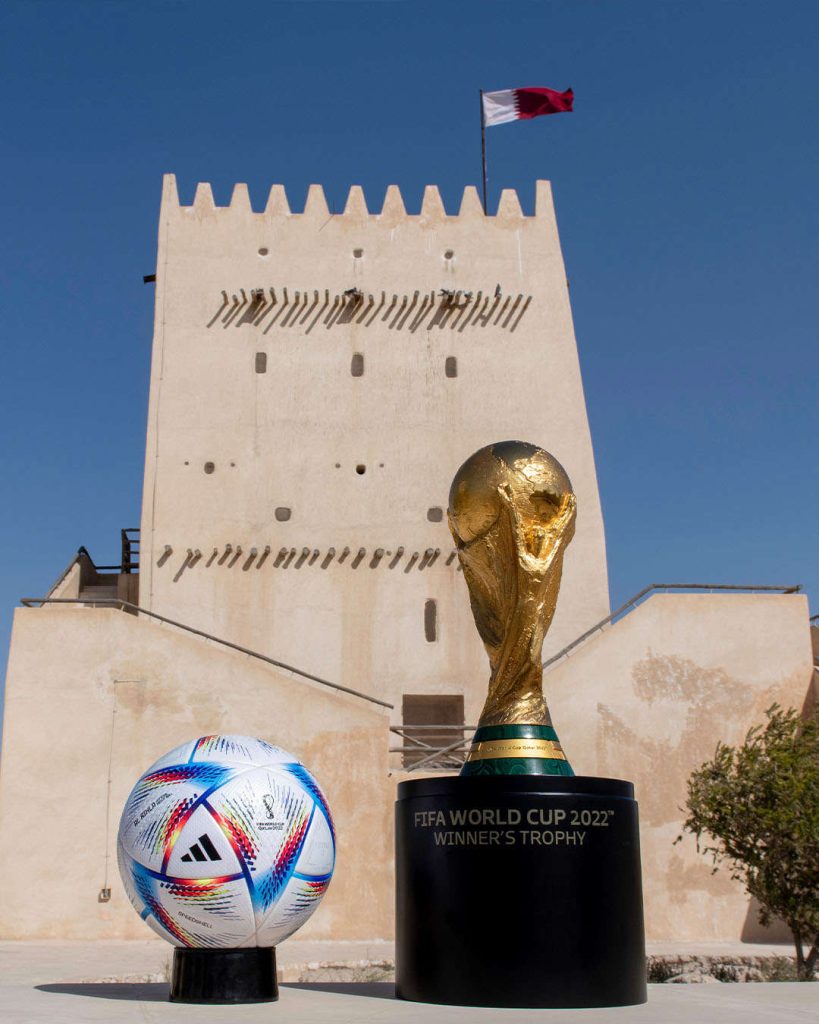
(512, 513)
(517, 815)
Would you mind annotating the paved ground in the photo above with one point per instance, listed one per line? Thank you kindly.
(64, 983)
(32, 963)
(372, 1003)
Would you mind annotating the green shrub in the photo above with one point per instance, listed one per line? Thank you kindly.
(755, 808)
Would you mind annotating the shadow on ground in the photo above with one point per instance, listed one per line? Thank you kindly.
(158, 991)
(372, 989)
(138, 992)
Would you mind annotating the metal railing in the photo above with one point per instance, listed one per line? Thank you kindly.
(129, 552)
(650, 589)
(113, 602)
(129, 545)
(426, 747)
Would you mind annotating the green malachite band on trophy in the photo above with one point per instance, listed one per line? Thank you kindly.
(515, 732)
(516, 750)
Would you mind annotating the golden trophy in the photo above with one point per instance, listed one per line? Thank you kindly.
(512, 514)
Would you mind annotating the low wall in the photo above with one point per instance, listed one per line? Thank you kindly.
(86, 686)
(648, 700)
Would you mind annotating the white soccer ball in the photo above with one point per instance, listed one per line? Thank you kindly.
(226, 841)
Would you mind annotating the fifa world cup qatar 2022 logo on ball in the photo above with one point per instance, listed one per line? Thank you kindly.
(226, 842)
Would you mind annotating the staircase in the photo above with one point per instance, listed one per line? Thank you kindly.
(98, 592)
(100, 583)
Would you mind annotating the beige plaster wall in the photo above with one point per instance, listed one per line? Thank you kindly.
(293, 436)
(649, 699)
(646, 700)
(68, 586)
(85, 686)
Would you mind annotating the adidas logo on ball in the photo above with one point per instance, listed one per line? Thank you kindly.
(196, 851)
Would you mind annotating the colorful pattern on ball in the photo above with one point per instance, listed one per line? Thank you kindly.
(226, 841)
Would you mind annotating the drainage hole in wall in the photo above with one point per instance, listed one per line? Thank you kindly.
(209, 467)
(361, 469)
(263, 251)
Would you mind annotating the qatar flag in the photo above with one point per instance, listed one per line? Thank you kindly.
(521, 104)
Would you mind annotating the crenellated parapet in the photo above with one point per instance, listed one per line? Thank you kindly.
(381, 270)
(392, 210)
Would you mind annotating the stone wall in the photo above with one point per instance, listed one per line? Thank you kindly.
(646, 700)
(88, 688)
(649, 699)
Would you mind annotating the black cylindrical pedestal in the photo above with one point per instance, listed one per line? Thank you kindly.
(519, 891)
(224, 975)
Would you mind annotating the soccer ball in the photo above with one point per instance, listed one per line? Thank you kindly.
(226, 841)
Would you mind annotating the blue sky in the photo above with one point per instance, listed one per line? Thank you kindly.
(687, 199)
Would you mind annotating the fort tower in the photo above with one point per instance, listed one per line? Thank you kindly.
(316, 380)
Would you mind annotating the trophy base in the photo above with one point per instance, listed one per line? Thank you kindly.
(246, 975)
(519, 891)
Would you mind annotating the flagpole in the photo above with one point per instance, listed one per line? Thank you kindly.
(483, 150)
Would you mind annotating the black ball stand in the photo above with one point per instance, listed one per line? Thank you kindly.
(519, 891)
(224, 975)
